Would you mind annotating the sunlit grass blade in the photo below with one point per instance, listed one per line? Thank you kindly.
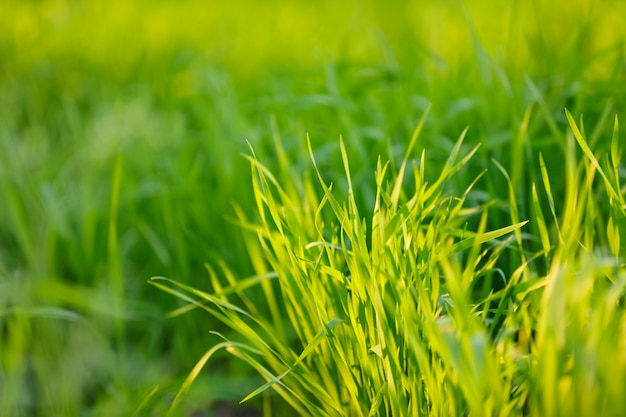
(615, 194)
(395, 193)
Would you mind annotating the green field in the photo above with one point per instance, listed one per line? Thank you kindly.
(348, 208)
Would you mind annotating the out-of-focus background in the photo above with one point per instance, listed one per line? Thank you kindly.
(122, 126)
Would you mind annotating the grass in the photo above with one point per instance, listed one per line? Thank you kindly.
(121, 139)
(412, 313)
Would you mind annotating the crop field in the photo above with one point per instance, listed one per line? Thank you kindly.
(322, 208)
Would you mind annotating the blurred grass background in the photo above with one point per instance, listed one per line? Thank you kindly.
(122, 125)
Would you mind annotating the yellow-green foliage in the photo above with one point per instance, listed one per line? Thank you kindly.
(392, 316)
(122, 129)
(248, 37)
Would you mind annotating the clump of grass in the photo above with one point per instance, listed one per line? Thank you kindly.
(107, 156)
(400, 315)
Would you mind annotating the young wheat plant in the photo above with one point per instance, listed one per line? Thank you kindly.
(416, 310)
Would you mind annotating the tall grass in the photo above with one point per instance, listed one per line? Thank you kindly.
(411, 313)
(121, 129)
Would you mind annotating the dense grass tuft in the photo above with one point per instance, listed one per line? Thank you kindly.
(122, 129)
(412, 313)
